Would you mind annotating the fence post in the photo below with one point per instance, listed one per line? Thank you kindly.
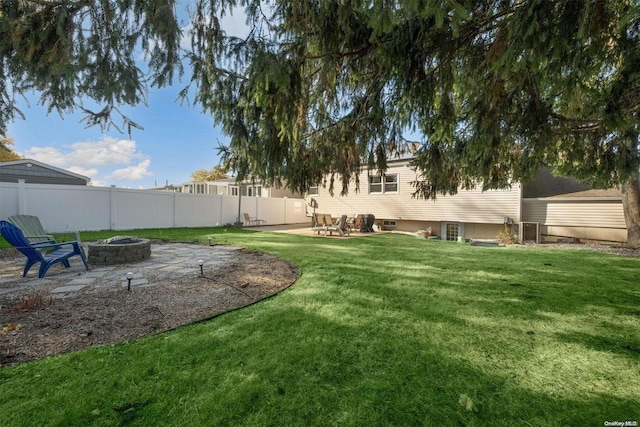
(220, 215)
(112, 207)
(285, 210)
(175, 207)
(257, 207)
(22, 197)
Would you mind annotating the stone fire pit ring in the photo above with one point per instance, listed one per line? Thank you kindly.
(119, 250)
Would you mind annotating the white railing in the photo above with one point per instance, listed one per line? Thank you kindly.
(76, 207)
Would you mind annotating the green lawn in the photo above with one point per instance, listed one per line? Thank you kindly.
(387, 330)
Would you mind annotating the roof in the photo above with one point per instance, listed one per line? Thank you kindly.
(591, 194)
(35, 172)
(546, 184)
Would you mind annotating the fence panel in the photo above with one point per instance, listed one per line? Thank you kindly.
(295, 211)
(8, 200)
(72, 207)
(62, 207)
(229, 211)
(196, 210)
(270, 210)
(142, 209)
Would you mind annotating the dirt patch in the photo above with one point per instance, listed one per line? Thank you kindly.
(35, 325)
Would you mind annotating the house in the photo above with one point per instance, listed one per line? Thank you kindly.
(35, 172)
(554, 208)
(230, 187)
(547, 208)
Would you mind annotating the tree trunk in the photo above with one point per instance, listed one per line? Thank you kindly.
(631, 206)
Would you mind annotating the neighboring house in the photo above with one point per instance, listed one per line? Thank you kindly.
(477, 214)
(229, 187)
(34, 172)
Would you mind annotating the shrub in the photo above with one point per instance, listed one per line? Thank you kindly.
(506, 238)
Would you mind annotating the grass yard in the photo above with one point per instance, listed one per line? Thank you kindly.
(387, 330)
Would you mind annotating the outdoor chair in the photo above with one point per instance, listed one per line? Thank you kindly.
(324, 222)
(251, 221)
(355, 223)
(33, 230)
(15, 237)
(340, 227)
(318, 223)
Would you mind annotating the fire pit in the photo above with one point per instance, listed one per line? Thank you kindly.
(119, 250)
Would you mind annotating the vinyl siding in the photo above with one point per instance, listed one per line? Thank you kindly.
(280, 192)
(37, 174)
(588, 233)
(473, 206)
(605, 213)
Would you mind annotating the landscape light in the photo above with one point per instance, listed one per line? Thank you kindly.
(129, 277)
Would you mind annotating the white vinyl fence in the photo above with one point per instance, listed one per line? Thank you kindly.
(75, 207)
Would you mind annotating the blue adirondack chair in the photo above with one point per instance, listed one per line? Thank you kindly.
(14, 236)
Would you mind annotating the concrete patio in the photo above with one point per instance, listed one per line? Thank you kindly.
(168, 261)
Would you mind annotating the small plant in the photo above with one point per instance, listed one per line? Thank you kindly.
(33, 301)
(506, 238)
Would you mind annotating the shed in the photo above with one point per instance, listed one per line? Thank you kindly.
(35, 172)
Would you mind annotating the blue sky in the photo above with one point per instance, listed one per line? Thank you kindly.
(176, 140)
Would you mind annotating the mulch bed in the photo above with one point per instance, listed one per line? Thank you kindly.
(35, 325)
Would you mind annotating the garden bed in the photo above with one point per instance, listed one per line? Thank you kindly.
(35, 325)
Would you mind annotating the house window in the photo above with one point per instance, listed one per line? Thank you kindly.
(391, 183)
(234, 190)
(254, 191)
(389, 224)
(383, 183)
(452, 230)
(314, 190)
(375, 184)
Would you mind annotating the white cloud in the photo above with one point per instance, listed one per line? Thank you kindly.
(50, 155)
(83, 171)
(185, 39)
(98, 183)
(235, 24)
(108, 151)
(90, 158)
(133, 172)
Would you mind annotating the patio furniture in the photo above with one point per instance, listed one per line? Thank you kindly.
(319, 224)
(367, 221)
(33, 230)
(251, 221)
(15, 237)
(355, 223)
(324, 222)
(340, 227)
